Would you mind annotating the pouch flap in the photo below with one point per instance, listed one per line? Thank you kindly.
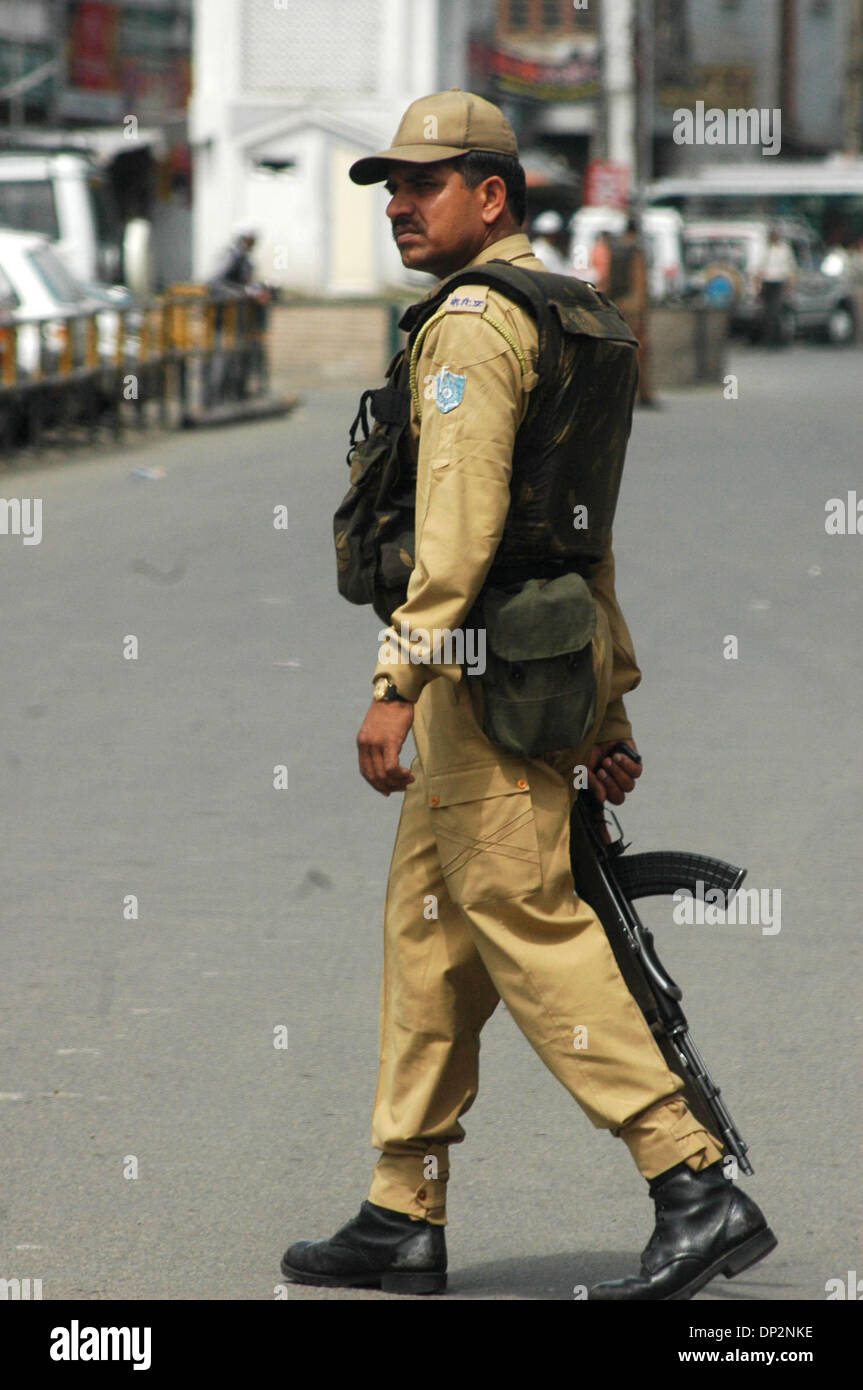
(543, 619)
(475, 784)
(594, 323)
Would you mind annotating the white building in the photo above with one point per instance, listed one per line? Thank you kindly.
(286, 95)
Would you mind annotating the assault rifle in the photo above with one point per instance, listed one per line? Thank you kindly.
(610, 881)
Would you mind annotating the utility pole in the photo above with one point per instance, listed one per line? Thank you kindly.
(646, 98)
(853, 144)
(616, 17)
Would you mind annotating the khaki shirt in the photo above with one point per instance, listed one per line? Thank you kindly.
(464, 465)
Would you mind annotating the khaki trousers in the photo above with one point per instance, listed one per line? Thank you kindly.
(480, 907)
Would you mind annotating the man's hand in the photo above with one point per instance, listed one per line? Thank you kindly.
(610, 778)
(381, 735)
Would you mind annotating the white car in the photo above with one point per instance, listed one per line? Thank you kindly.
(663, 245)
(724, 257)
(38, 293)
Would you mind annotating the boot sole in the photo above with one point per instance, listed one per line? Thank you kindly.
(392, 1281)
(743, 1257)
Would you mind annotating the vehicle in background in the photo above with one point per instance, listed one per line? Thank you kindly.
(45, 299)
(723, 259)
(663, 247)
(64, 197)
(828, 193)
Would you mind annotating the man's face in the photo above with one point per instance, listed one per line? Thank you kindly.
(438, 223)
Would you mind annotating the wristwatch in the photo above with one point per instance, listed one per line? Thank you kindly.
(383, 689)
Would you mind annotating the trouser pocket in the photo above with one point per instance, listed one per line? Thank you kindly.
(485, 829)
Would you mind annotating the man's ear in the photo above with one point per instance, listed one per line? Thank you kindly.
(494, 199)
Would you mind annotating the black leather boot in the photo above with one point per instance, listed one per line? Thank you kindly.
(704, 1226)
(379, 1248)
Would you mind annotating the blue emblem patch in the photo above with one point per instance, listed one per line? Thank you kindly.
(448, 390)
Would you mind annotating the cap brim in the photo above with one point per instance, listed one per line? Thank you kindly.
(375, 168)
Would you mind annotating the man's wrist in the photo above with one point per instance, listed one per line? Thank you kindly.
(409, 680)
(386, 690)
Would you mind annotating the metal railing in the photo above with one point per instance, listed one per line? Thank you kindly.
(189, 355)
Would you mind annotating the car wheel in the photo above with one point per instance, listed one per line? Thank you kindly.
(841, 326)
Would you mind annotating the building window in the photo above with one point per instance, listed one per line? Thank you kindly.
(543, 18)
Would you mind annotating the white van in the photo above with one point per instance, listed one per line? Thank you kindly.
(62, 196)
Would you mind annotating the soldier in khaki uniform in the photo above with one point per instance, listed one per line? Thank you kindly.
(484, 834)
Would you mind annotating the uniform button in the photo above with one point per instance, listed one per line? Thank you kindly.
(434, 801)
(521, 783)
(422, 1194)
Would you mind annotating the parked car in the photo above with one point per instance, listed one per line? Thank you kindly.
(663, 246)
(43, 297)
(723, 258)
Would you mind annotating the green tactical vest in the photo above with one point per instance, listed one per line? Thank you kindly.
(567, 458)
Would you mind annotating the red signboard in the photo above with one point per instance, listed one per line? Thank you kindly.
(93, 46)
(573, 78)
(606, 184)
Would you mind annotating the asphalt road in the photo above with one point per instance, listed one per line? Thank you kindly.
(152, 1038)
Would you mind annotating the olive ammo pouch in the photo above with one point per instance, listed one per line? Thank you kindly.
(373, 527)
(539, 687)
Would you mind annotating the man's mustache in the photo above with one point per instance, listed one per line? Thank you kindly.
(399, 227)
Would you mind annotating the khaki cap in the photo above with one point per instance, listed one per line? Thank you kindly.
(441, 126)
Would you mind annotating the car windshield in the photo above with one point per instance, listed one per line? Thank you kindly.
(27, 205)
(699, 252)
(54, 275)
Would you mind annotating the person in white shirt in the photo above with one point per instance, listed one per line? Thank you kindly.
(778, 273)
(549, 241)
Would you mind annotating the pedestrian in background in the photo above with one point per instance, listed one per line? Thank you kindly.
(233, 278)
(234, 268)
(777, 275)
(550, 241)
(628, 287)
(600, 261)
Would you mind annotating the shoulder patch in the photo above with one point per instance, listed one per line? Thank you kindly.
(467, 301)
(448, 390)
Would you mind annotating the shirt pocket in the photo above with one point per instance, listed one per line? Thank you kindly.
(485, 829)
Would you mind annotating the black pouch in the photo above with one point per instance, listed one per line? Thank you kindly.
(373, 527)
(354, 522)
(539, 688)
